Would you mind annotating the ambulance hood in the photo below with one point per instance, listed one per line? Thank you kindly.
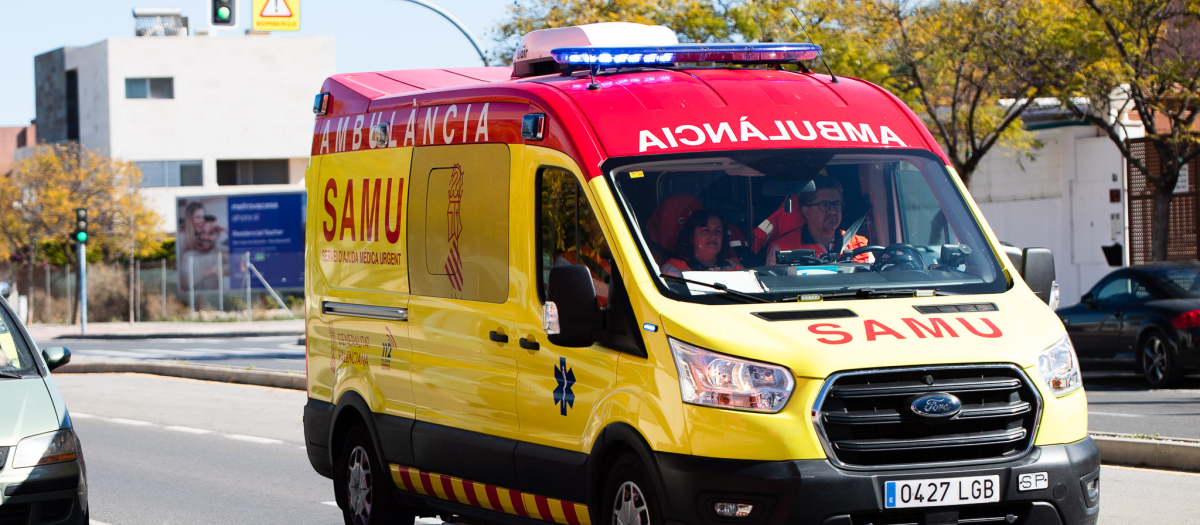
(873, 333)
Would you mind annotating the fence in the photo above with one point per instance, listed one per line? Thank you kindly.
(157, 294)
(1185, 209)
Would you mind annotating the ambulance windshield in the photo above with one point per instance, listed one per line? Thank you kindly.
(779, 224)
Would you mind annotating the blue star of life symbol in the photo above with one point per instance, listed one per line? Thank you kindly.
(563, 396)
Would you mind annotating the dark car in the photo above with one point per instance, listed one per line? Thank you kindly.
(1146, 318)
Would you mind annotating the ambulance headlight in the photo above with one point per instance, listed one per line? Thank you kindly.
(710, 379)
(1059, 368)
(42, 449)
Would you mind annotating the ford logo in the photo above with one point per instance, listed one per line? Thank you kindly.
(939, 406)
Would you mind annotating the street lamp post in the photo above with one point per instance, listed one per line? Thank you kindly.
(456, 23)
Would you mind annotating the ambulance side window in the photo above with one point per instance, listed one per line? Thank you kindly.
(569, 232)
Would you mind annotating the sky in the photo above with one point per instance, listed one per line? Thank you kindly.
(371, 35)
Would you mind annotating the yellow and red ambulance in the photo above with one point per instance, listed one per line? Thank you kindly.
(634, 281)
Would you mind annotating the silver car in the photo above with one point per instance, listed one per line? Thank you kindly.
(43, 479)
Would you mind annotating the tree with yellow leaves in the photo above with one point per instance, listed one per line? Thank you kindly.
(39, 198)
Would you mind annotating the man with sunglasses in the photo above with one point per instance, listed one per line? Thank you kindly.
(822, 212)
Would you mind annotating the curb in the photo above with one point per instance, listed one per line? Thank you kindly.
(1150, 453)
(181, 335)
(223, 374)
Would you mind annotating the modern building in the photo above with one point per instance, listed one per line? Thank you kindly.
(13, 138)
(200, 115)
(1070, 198)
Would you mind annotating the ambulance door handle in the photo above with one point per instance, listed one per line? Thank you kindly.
(529, 344)
(497, 337)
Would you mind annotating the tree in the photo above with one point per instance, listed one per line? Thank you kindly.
(1146, 63)
(40, 197)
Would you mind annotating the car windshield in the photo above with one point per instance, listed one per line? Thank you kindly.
(1183, 281)
(15, 359)
(781, 223)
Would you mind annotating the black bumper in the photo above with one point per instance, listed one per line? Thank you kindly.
(815, 492)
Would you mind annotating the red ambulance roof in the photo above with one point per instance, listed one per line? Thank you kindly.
(642, 112)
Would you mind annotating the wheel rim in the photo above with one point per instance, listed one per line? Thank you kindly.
(1154, 357)
(630, 507)
(358, 486)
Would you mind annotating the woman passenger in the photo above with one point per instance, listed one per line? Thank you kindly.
(702, 246)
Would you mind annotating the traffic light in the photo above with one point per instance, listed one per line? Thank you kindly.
(81, 234)
(224, 13)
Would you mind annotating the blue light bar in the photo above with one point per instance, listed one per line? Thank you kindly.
(652, 55)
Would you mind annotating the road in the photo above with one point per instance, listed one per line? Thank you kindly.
(1122, 402)
(281, 353)
(167, 450)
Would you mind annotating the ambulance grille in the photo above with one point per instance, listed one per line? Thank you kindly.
(865, 423)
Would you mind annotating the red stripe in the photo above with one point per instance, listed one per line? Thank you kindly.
(469, 488)
(493, 498)
(427, 484)
(569, 513)
(543, 507)
(448, 486)
(404, 478)
(518, 503)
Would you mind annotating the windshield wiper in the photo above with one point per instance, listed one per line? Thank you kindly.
(9, 374)
(716, 286)
(868, 293)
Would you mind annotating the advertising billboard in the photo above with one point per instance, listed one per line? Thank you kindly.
(216, 233)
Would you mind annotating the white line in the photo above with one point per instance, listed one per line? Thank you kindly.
(133, 422)
(1113, 414)
(94, 522)
(330, 503)
(189, 430)
(80, 415)
(254, 439)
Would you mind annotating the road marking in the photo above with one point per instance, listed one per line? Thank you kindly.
(1114, 414)
(254, 439)
(80, 415)
(189, 430)
(330, 503)
(94, 522)
(133, 422)
(1163, 471)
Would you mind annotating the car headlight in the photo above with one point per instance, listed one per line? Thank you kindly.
(42, 449)
(1059, 368)
(711, 379)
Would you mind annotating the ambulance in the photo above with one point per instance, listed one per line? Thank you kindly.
(638, 282)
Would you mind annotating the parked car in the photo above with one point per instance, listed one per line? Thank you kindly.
(1144, 317)
(43, 478)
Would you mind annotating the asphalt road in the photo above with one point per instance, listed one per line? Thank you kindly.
(166, 450)
(280, 353)
(1123, 402)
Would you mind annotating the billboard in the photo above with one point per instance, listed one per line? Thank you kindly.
(215, 233)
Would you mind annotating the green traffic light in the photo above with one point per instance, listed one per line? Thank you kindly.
(223, 13)
(81, 236)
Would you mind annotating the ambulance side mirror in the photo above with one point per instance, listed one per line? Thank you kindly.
(1037, 268)
(571, 313)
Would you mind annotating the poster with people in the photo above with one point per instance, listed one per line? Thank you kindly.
(217, 234)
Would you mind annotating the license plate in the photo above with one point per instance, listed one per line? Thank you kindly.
(939, 492)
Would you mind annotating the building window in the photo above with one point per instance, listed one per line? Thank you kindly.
(242, 172)
(73, 105)
(149, 88)
(170, 173)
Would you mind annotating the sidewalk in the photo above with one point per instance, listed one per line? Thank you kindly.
(168, 330)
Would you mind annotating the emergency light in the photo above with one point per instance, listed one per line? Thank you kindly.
(658, 55)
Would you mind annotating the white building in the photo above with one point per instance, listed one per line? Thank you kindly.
(200, 115)
(1070, 198)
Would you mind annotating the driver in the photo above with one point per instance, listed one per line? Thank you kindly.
(702, 246)
(822, 212)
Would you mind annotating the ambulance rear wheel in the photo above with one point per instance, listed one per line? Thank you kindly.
(629, 497)
(366, 483)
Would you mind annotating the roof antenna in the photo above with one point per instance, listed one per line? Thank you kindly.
(806, 35)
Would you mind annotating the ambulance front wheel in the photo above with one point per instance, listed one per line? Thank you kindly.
(629, 497)
(366, 483)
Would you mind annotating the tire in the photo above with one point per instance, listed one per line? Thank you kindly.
(1157, 364)
(366, 483)
(629, 495)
